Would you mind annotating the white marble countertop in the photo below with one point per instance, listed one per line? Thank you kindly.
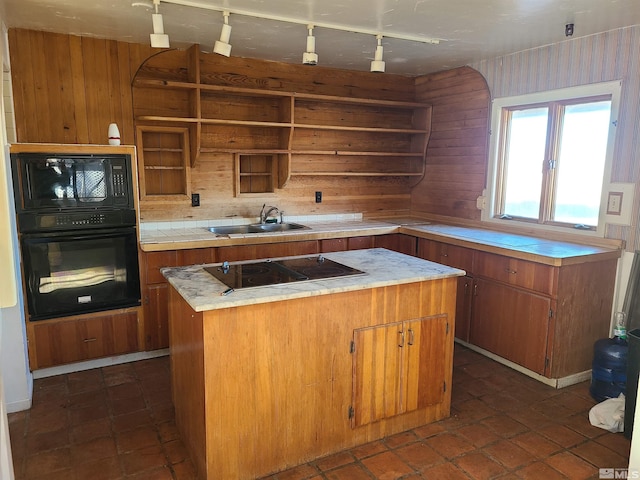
(382, 268)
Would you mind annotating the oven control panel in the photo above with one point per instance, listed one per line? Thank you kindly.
(78, 220)
(74, 221)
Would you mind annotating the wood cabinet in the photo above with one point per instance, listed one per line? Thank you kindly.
(290, 361)
(346, 243)
(86, 337)
(519, 273)
(155, 286)
(266, 250)
(464, 301)
(512, 323)
(398, 368)
(155, 290)
(398, 242)
(458, 257)
(542, 317)
(291, 132)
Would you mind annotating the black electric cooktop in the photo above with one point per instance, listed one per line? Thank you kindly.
(269, 272)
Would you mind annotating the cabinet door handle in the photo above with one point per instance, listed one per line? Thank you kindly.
(411, 337)
(512, 272)
(475, 289)
(87, 340)
(401, 338)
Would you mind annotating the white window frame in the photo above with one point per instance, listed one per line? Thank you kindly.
(491, 195)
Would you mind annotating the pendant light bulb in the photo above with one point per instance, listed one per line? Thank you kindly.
(310, 57)
(158, 38)
(222, 46)
(377, 64)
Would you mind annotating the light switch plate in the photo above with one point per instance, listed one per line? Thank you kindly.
(619, 198)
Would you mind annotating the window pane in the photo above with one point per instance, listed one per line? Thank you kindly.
(580, 167)
(526, 139)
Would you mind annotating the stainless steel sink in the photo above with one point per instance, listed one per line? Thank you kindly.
(231, 229)
(256, 228)
(278, 227)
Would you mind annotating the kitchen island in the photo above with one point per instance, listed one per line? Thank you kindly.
(271, 377)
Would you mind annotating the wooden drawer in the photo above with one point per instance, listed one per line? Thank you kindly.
(450, 255)
(196, 256)
(67, 341)
(267, 250)
(346, 243)
(522, 273)
(154, 261)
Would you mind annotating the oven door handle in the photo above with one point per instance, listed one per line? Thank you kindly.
(34, 281)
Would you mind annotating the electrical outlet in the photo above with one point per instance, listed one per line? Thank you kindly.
(318, 197)
(614, 203)
(195, 199)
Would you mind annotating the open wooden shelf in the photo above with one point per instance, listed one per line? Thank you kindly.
(296, 129)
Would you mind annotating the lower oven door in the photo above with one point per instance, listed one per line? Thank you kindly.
(80, 272)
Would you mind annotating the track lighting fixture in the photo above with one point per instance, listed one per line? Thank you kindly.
(158, 38)
(310, 57)
(222, 46)
(377, 64)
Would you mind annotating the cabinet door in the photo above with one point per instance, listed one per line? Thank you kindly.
(511, 323)
(423, 375)
(397, 242)
(398, 368)
(156, 317)
(376, 373)
(67, 341)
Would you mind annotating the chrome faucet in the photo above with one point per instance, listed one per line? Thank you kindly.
(265, 214)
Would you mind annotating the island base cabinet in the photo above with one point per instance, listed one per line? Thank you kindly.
(262, 388)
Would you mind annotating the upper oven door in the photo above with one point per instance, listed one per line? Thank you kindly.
(72, 273)
(46, 182)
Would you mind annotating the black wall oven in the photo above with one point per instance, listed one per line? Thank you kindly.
(76, 222)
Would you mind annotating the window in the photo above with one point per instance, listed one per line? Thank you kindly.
(551, 156)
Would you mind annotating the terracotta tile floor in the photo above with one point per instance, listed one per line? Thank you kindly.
(117, 422)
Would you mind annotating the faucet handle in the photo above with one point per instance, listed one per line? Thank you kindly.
(281, 216)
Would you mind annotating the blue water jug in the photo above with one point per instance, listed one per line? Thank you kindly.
(609, 367)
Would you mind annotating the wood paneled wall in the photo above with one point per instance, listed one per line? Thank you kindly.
(456, 164)
(67, 89)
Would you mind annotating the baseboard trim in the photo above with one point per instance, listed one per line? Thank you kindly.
(552, 382)
(98, 363)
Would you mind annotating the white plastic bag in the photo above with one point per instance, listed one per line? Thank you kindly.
(609, 414)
